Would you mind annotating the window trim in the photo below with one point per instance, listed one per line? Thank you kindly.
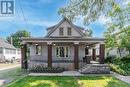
(64, 51)
(61, 31)
(69, 31)
(36, 52)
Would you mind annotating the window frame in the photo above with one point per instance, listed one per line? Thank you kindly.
(61, 31)
(69, 31)
(66, 51)
(37, 50)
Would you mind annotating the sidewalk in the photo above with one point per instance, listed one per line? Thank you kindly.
(122, 78)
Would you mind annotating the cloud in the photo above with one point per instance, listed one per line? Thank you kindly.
(41, 23)
(126, 2)
(103, 20)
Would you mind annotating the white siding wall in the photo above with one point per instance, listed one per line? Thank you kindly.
(9, 55)
(45, 54)
(65, 25)
(81, 52)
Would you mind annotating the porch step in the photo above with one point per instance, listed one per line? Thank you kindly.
(95, 69)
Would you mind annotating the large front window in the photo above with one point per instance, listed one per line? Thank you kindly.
(62, 51)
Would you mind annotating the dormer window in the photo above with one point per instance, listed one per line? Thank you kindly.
(69, 30)
(61, 31)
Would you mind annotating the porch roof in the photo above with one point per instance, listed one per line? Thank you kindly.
(63, 39)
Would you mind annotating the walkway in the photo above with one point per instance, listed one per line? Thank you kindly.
(120, 77)
(65, 73)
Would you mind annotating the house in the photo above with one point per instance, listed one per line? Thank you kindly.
(65, 45)
(118, 52)
(8, 52)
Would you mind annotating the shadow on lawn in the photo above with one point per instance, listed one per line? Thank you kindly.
(66, 81)
(101, 81)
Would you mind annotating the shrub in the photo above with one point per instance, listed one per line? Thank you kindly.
(43, 69)
(117, 69)
(109, 59)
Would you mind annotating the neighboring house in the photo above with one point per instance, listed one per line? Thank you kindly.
(8, 52)
(65, 45)
(119, 52)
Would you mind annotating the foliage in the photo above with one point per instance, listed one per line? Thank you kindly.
(57, 81)
(90, 10)
(116, 68)
(109, 59)
(42, 69)
(117, 11)
(120, 65)
(16, 37)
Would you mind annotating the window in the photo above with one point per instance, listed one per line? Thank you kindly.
(38, 50)
(61, 31)
(62, 51)
(69, 30)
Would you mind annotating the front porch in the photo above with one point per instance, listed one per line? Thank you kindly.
(71, 54)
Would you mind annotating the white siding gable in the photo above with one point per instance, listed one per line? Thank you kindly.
(65, 26)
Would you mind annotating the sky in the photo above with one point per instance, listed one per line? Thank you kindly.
(36, 15)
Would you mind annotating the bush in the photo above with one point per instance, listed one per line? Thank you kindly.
(120, 65)
(117, 69)
(109, 59)
(43, 69)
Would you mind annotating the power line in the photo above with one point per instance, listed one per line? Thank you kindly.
(24, 18)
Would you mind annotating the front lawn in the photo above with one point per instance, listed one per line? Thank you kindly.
(55, 81)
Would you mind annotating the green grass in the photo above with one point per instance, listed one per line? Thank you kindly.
(55, 81)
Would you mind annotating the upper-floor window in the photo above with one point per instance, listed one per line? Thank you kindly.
(69, 30)
(61, 31)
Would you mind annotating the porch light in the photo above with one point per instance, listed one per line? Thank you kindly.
(54, 44)
(87, 46)
(36, 44)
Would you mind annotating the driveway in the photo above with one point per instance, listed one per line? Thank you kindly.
(6, 71)
(4, 66)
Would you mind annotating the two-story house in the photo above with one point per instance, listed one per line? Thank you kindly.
(65, 45)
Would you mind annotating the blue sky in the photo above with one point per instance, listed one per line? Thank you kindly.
(40, 14)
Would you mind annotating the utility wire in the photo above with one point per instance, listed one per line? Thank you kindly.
(24, 18)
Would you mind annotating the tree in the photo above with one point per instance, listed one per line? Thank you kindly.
(91, 10)
(16, 37)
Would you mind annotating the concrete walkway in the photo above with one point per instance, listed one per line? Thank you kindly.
(120, 77)
(65, 73)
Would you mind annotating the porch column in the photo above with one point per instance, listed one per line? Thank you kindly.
(49, 55)
(24, 64)
(94, 54)
(102, 53)
(76, 56)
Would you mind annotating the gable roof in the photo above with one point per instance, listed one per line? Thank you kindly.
(53, 28)
(5, 44)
